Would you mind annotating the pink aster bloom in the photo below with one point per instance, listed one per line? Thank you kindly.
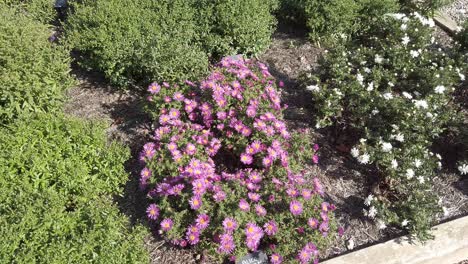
(292, 192)
(295, 207)
(244, 205)
(190, 149)
(276, 258)
(203, 220)
(152, 212)
(229, 224)
(178, 96)
(226, 244)
(193, 238)
(145, 173)
(305, 255)
(270, 228)
(257, 146)
(325, 206)
(324, 228)
(246, 159)
(306, 193)
(267, 161)
(166, 224)
(154, 88)
(313, 223)
(219, 196)
(254, 196)
(255, 177)
(315, 159)
(318, 188)
(260, 210)
(174, 113)
(251, 111)
(195, 202)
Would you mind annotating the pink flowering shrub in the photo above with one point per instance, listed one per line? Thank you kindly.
(224, 174)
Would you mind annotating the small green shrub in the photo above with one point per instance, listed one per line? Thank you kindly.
(392, 88)
(33, 72)
(58, 175)
(425, 7)
(329, 21)
(134, 42)
(236, 26)
(41, 10)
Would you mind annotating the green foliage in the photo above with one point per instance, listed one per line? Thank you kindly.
(329, 21)
(58, 176)
(135, 42)
(425, 7)
(392, 87)
(236, 26)
(33, 72)
(41, 10)
(165, 40)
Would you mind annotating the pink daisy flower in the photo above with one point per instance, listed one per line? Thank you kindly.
(271, 228)
(154, 88)
(229, 224)
(195, 202)
(295, 207)
(276, 258)
(244, 205)
(203, 220)
(246, 159)
(152, 212)
(166, 224)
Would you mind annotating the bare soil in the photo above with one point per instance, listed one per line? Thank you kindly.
(347, 183)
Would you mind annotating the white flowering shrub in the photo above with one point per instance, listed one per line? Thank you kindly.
(392, 90)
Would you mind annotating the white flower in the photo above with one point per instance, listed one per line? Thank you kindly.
(445, 210)
(394, 164)
(439, 165)
(378, 59)
(463, 169)
(381, 224)
(407, 95)
(386, 147)
(354, 152)
(405, 40)
(364, 158)
(375, 111)
(421, 104)
(409, 173)
(387, 96)
(417, 163)
(367, 70)
(462, 76)
(429, 115)
(400, 137)
(397, 15)
(372, 212)
(368, 200)
(313, 88)
(439, 89)
(421, 179)
(391, 84)
(404, 27)
(414, 53)
(370, 86)
(438, 156)
(338, 92)
(360, 78)
(350, 244)
(404, 223)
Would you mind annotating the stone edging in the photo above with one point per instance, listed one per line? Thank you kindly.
(449, 246)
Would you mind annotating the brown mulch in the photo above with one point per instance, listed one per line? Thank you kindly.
(347, 184)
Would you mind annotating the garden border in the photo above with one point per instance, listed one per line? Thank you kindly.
(449, 246)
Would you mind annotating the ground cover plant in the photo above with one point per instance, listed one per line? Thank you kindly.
(41, 10)
(58, 176)
(224, 174)
(392, 88)
(33, 72)
(165, 40)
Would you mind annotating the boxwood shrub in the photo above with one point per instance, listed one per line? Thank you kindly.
(41, 10)
(33, 72)
(235, 26)
(58, 175)
(165, 40)
(149, 40)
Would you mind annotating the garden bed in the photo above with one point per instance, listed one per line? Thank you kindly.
(346, 182)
